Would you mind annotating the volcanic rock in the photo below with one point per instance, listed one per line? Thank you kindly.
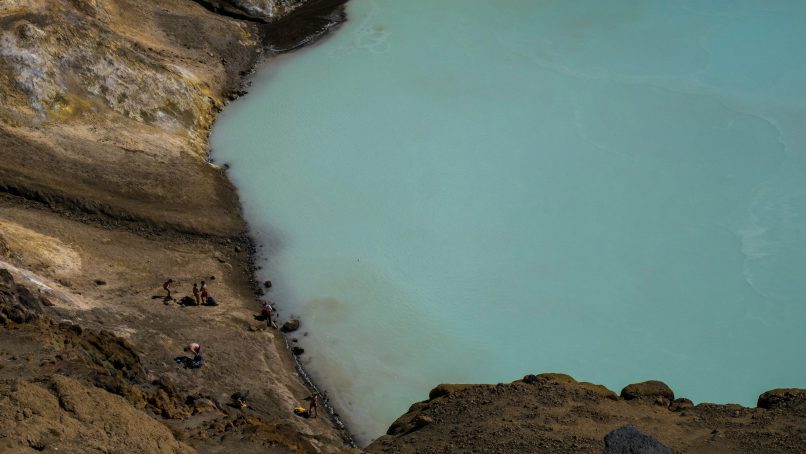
(290, 326)
(652, 389)
(629, 440)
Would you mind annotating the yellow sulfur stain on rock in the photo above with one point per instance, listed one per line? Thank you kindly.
(37, 251)
(68, 106)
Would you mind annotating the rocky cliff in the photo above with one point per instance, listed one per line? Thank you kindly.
(105, 192)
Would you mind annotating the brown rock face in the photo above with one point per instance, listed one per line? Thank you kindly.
(652, 389)
(105, 189)
(62, 415)
(555, 413)
(783, 398)
(17, 303)
(107, 107)
(264, 10)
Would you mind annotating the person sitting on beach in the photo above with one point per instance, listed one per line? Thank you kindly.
(193, 348)
(197, 357)
(167, 289)
(314, 401)
(239, 399)
(197, 360)
(196, 294)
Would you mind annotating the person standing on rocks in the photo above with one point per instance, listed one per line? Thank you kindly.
(204, 293)
(267, 313)
(166, 287)
(314, 401)
(196, 294)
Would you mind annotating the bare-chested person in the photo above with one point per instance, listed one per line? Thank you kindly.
(314, 403)
(166, 287)
(204, 293)
(196, 294)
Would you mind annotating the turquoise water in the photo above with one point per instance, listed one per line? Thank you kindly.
(470, 191)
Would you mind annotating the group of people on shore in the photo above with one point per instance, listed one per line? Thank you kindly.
(201, 295)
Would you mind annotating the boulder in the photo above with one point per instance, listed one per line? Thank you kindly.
(652, 389)
(445, 389)
(264, 10)
(681, 404)
(17, 303)
(530, 379)
(781, 398)
(560, 378)
(629, 440)
(566, 379)
(290, 325)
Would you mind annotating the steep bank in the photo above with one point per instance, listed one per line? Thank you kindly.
(106, 193)
(553, 413)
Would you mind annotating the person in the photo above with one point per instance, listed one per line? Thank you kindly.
(197, 360)
(239, 399)
(166, 287)
(193, 348)
(204, 293)
(268, 312)
(314, 401)
(196, 294)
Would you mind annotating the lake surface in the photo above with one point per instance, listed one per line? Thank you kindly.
(470, 191)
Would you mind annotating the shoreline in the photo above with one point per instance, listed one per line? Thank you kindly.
(248, 237)
(302, 373)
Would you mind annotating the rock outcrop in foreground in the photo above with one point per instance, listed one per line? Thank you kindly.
(553, 413)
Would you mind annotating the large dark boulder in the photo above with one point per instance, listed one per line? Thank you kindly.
(629, 440)
(17, 303)
(290, 326)
(681, 404)
(652, 389)
(782, 398)
(6, 279)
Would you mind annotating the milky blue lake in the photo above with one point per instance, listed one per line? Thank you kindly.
(470, 191)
